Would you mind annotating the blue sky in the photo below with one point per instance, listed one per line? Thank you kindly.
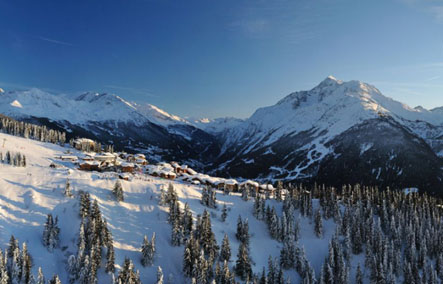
(222, 58)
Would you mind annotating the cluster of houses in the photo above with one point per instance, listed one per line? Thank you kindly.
(126, 164)
(118, 162)
(175, 171)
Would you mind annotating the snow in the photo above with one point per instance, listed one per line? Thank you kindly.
(83, 108)
(16, 103)
(333, 106)
(28, 194)
(216, 126)
(365, 147)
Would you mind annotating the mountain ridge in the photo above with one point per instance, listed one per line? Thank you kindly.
(290, 140)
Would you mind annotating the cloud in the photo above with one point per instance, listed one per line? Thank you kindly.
(54, 41)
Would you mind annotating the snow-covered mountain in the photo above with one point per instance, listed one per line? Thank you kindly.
(304, 134)
(111, 119)
(217, 126)
(338, 132)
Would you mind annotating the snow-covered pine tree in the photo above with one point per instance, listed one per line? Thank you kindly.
(110, 260)
(71, 268)
(40, 277)
(177, 234)
(187, 222)
(127, 274)
(287, 255)
(162, 198)
(243, 264)
(51, 233)
(118, 191)
(159, 276)
(224, 214)
(225, 251)
(146, 248)
(318, 224)
(171, 194)
(68, 192)
(55, 280)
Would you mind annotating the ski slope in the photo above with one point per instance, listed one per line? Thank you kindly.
(28, 194)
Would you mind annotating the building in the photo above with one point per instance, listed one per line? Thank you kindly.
(231, 184)
(69, 158)
(127, 167)
(252, 185)
(89, 166)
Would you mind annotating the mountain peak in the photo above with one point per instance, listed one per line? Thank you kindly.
(329, 81)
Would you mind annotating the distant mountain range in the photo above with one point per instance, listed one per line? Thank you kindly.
(338, 132)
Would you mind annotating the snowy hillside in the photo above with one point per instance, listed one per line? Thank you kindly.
(28, 194)
(302, 241)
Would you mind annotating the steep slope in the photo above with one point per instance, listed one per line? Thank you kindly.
(294, 138)
(111, 119)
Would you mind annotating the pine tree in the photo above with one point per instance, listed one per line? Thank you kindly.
(118, 191)
(67, 191)
(159, 276)
(224, 213)
(177, 234)
(148, 251)
(187, 221)
(171, 195)
(243, 265)
(55, 280)
(40, 277)
(51, 233)
(318, 224)
(359, 276)
(225, 252)
(162, 199)
(110, 260)
(127, 274)
(71, 268)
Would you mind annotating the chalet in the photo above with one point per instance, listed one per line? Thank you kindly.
(167, 175)
(89, 166)
(87, 157)
(220, 184)
(105, 157)
(69, 158)
(179, 169)
(253, 186)
(124, 176)
(127, 167)
(140, 159)
(231, 184)
(267, 188)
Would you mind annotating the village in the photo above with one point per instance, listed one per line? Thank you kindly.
(127, 165)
